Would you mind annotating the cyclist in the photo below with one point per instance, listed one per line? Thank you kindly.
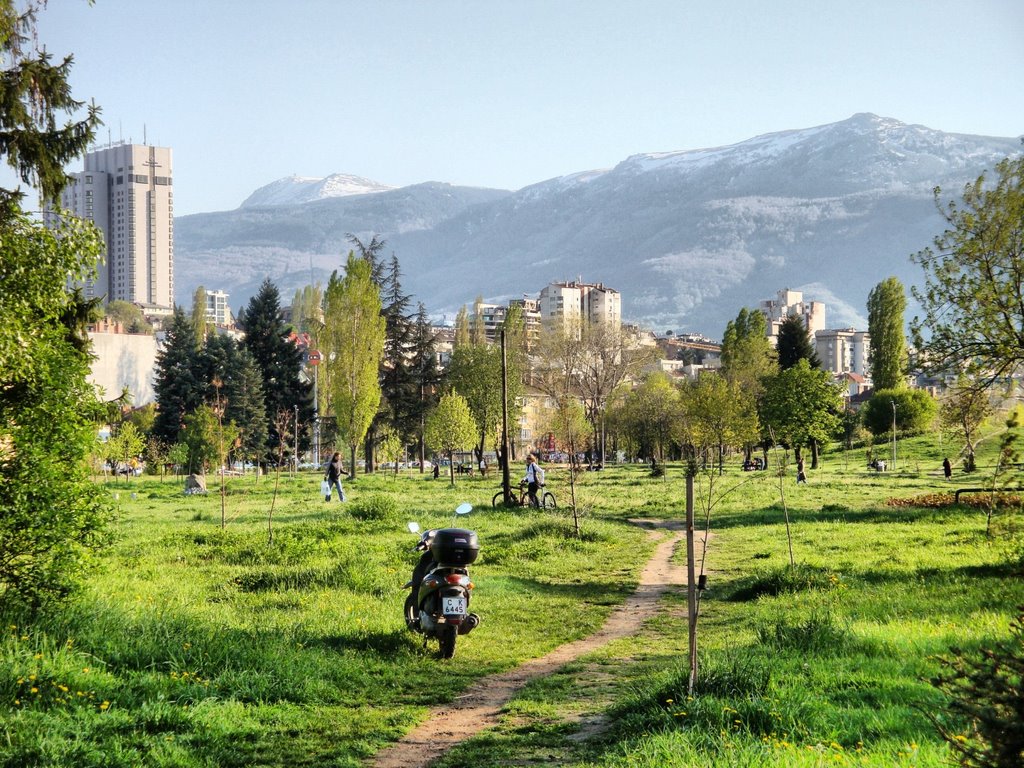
(534, 479)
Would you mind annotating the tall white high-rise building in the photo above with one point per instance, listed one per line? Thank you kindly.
(579, 302)
(127, 191)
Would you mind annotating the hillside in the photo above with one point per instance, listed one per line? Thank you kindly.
(688, 237)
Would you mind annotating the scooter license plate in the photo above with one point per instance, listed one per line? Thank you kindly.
(453, 606)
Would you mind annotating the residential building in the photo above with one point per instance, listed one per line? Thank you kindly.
(843, 350)
(127, 191)
(788, 303)
(580, 302)
(217, 310)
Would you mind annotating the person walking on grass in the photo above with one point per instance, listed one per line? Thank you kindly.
(800, 476)
(947, 468)
(335, 469)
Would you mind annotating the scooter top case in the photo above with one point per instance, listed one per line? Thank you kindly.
(454, 547)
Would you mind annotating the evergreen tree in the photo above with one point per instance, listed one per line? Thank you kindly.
(178, 381)
(886, 304)
(398, 387)
(33, 92)
(232, 377)
(794, 344)
(426, 375)
(278, 359)
(372, 254)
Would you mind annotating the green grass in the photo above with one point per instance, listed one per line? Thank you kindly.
(196, 646)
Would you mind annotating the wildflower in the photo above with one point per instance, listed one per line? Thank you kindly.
(960, 737)
(17, 702)
(38, 656)
(63, 688)
(85, 670)
(104, 706)
(34, 690)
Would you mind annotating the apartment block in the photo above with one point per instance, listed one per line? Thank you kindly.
(217, 310)
(580, 302)
(788, 303)
(127, 191)
(843, 350)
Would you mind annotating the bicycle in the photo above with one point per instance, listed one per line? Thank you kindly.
(522, 498)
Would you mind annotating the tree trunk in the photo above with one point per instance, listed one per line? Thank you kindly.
(352, 462)
(814, 454)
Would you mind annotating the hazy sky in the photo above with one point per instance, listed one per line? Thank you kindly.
(506, 94)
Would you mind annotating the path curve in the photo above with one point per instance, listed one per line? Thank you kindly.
(480, 706)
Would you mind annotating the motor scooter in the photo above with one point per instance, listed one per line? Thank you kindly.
(439, 591)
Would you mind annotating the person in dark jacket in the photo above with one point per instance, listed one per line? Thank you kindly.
(947, 468)
(335, 469)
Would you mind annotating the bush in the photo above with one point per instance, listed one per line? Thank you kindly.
(378, 508)
(987, 688)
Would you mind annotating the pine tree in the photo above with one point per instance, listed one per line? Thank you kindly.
(178, 382)
(397, 384)
(794, 344)
(278, 359)
(426, 375)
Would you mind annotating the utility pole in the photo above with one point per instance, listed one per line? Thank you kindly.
(691, 585)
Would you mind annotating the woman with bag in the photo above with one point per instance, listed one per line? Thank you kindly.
(332, 478)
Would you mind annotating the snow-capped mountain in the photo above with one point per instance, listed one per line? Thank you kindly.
(688, 237)
(295, 190)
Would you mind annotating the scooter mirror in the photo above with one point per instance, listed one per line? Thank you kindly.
(413, 527)
(464, 508)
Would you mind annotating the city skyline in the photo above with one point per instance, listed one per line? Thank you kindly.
(508, 96)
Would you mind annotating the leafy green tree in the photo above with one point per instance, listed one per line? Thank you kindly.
(127, 444)
(794, 344)
(747, 354)
(477, 327)
(450, 427)
(462, 332)
(717, 414)
(888, 354)
(53, 517)
(648, 415)
(973, 294)
(307, 308)
(208, 438)
(129, 316)
(178, 386)
(233, 379)
(475, 373)
(962, 411)
(353, 343)
(279, 360)
(199, 321)
(915, 411)
(800, 407)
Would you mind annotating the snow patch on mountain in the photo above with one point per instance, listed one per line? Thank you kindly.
(296, 190)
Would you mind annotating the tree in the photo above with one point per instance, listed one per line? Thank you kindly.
(127, 444)
(973, 295)
(475, 373)
(450, 427)
(53, 516)
(462, 333)
(915, 411)
(649, 415)
(353, 343)
(178, 388)
(477, 328)
(426, 375)
(800, 407)
(207, 438)
(888, 352)
(962, 411)
(279, 360)
(33, 93)
(794, 344)
(747, 354)
(398, 388)
(307, 308)
(129, 316)
(199, 322)
(233, 379)
(717, 414)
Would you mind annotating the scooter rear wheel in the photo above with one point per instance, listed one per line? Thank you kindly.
(412, 613)
(449, 632)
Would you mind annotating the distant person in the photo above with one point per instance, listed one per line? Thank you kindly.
(800, 476)
(335, 469)
(534, 479)
(947, 468)
(437, 470)
(483, 468)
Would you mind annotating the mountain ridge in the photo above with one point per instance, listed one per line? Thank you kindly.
(688, 236)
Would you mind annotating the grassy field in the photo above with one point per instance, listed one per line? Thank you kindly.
(197, 646)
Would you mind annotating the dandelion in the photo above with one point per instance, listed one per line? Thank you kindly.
(38, 656)
(85, 670)
(104, 706)
(34, 690)
(63, 688)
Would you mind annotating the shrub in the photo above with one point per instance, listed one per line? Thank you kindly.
(783, 580)
(987, 688)
(377, 508)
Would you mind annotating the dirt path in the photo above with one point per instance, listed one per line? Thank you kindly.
(479, 708)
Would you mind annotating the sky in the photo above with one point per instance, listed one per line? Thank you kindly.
(509, 94)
